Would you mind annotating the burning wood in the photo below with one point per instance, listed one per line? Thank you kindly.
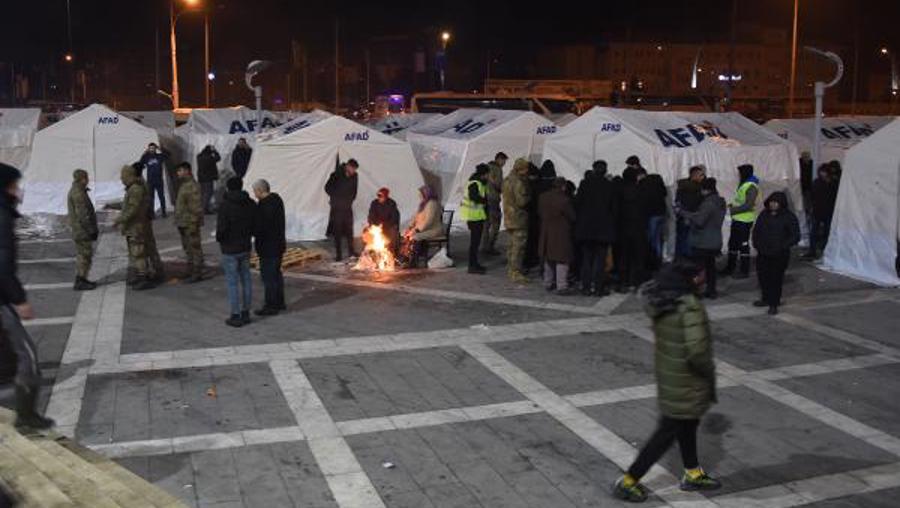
(377, 255)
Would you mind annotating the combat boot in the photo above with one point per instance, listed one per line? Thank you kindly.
(26, 416)
(82, 284)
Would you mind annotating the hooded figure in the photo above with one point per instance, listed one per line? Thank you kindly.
(685, 377)
(776, 231)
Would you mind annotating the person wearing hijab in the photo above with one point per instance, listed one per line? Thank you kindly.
(426, 225)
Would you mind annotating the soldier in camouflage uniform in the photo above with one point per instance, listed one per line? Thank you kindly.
(134, 223)
(83, 223)
(189, 219)
(516, 196)
(494, 213)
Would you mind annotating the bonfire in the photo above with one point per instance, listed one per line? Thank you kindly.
(377, 255)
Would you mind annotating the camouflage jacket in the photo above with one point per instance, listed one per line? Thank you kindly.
(188, 207)
(82, 218)
(516, 195)
(494, 183)
(135, 217)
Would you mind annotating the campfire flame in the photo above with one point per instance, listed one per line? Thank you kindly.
(377, 256)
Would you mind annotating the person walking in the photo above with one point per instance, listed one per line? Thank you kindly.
(240, 158)
(595, 227)
(341, 188)
(516, 196)
(687, 199)
(271, 244)
(685, 378)
(473, 211)
(208, 174)
(153, 164)
(83, 224)
(492, 207)
(20, 358)
(557, 215)
(383, 212)
(134, 224)
(705, 235)
(776, 231)
(234, 231)
(189, 219)
(743, 214)
(823, 199)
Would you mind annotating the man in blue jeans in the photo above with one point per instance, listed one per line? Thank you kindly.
(234, 231)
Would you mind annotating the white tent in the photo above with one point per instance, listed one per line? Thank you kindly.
(447, 149)
(298, 158)
(222, 128)
(397, 125)
(864, 232)
(17, 129)
(839, 134)
(96, 139)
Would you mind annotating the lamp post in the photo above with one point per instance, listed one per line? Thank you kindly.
(173, 20)
(254, 68)
(793, 60)
(820, 95)
(895, 81)
(445, 39)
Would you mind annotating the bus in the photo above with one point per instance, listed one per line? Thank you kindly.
(447, 102)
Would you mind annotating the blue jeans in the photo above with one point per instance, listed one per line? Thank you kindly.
(237, 271)
(655, 235)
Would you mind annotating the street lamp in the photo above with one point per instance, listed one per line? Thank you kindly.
(895, 81)
(820, 95)
(192, 5)
(254, 68)
(445, 39)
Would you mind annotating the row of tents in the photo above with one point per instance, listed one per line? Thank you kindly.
(297, 151)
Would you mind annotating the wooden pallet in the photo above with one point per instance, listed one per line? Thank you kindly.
(295, 256)
(48, 470)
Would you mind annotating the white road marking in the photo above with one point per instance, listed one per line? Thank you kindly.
(44, 261)
(65, 320)
(44, 240)
(52, 285)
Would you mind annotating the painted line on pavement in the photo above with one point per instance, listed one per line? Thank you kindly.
(44, 240)
(51, 321)
(45, 261)
(48, 286)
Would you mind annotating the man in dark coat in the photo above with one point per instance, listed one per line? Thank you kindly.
(234, 229)
(153, 163)
(633, 227)
(706, 232)
(687, 199)
(20, 358)
(595, 227)
(654, 197)
(823, 198)
(207, 175)
(240, 158)
(383, 212)
(557, 215)
(341, 189)
(270, 246)
(776, 231)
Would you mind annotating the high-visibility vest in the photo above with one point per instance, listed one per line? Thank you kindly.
(740, 197)
(469, 210)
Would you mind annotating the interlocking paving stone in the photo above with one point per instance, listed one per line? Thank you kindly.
(886, 498)
(878, 321)
(516, 461)
(46, 273)
(384, 384)
(868, 395)
(181, 402)
(750, 441)
(582, 363)
(763, 343)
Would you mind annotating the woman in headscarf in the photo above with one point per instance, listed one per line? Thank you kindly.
(426, 225)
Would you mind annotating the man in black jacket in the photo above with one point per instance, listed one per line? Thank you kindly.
(240, 158)
(19, 352)
(822, 198)
(776, 231)
(341, 188)
(207, 175)
(234, 231)
(595, 227)
(270, 246)
(688, 197)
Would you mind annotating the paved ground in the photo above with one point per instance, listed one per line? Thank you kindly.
(440, 389)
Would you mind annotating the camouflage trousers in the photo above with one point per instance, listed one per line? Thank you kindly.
(143, 258)
(193, 250)
(491, 227)
(515, 253)
(84, 256)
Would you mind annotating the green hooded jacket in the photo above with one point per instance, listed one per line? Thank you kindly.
(82, 217)
(188, 206)
(135, 217)
(516, 196)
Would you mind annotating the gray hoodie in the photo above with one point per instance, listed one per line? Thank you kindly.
(706, 223)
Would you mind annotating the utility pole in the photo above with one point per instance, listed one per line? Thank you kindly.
(730, 90)
(368, 77)
(855, 60)
(206, 80)
(793, 61)
(337, 68)
(175, 95)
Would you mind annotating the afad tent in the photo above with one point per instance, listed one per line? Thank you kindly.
(222, 128)
(298, 157)
(96, 139)
(669, 143)
(864, 232)
(562, 119)
(447, 149)
(17, 129)
(397, 125)
(839, 134)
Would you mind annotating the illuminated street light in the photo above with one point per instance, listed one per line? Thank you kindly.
(211, 76)
(69, 58)
(445, 37)
(442, 56)
(884, 51)
(192, 5)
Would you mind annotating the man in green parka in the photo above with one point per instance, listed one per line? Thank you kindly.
(685, 377)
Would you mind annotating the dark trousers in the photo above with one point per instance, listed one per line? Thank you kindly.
(273, 281)
(706, 258)
(818, 234)
(158, 187)
(633, 265)
(207, 189)
(476, 229)
(682, 239)
(770, 272)
(739, 247)
(593, 265)
(18, 343)
(667, 432)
